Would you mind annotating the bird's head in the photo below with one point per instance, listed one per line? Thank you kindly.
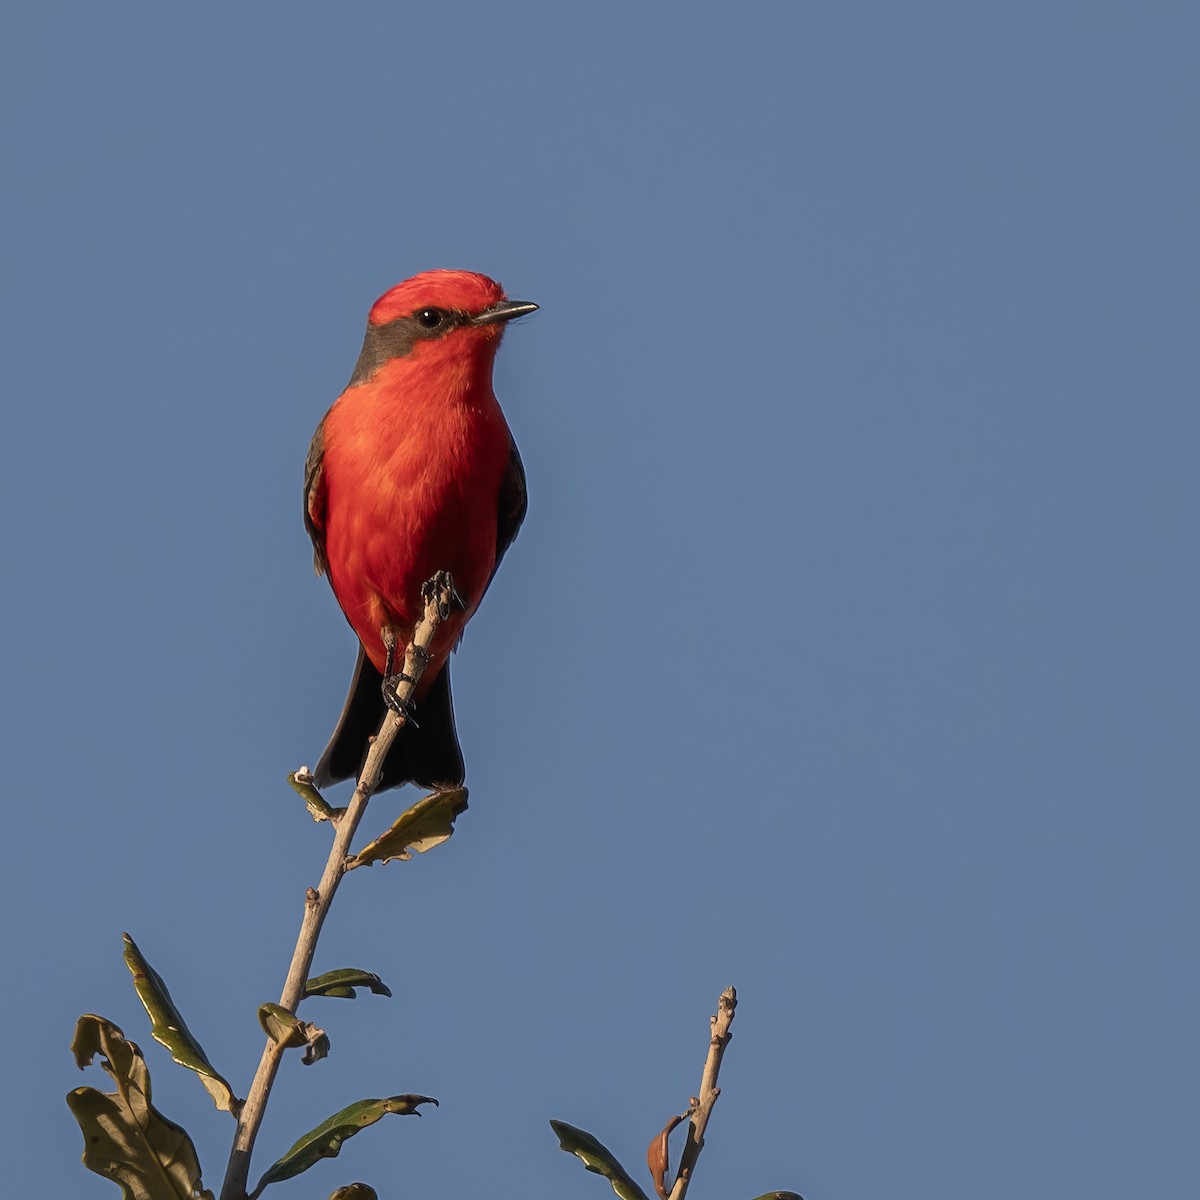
(461, 310)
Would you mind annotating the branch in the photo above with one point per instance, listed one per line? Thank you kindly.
(438, 596)
(702, 1105)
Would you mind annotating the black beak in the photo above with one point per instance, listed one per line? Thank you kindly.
(504, 310)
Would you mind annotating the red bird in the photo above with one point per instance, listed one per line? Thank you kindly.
(414, 471)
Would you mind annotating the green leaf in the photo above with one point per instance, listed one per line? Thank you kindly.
(355, 1191)
(342, 983)
(302, 782)
(597, 1158)
(281, 1025)
(326, 1140)
(168, 1028)
(125, 1138)
(284, 1027)
(427, 824)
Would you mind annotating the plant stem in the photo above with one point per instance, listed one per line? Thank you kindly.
(437, 600)
(707, 1097)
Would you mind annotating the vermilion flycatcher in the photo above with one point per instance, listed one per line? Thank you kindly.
(414, 471)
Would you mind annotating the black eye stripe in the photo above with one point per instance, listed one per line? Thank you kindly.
(398, 337)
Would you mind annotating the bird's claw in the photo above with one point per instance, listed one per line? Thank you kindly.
(391, 697)
(442, 584)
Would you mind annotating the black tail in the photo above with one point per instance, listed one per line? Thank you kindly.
(427, 755)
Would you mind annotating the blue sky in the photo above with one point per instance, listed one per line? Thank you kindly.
(848, 653)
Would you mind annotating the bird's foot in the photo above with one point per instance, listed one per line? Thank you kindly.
(441, 587)
(392, 679)
(391, 697)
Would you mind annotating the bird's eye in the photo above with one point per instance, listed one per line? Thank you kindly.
(430, 318)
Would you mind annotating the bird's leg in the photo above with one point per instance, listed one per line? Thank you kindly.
(440, 590)
(392, 681)
(442, 584)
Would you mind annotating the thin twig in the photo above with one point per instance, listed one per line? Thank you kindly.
(702, 1104)
(316, 903)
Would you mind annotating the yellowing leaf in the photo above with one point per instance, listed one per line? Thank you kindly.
(125, 1138)
(427, 824)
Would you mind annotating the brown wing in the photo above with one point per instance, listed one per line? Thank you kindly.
(510, 512)
(314, 498)
(514, 501)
